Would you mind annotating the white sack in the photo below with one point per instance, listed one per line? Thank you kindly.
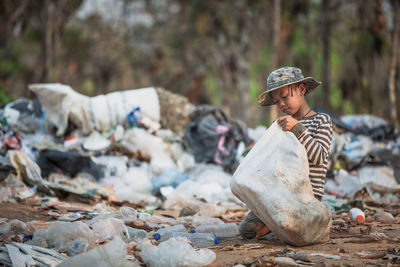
(273, 181)
(101, 112)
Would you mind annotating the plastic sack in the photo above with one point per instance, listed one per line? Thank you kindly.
(111, 254)
(161, 162)
(382, 176)
(175, 253)
(273, 181)
(61, 234)
(114, 165)
(61, 103)
(171, 177)
(139, 139)
(29, 172)
(108, 228)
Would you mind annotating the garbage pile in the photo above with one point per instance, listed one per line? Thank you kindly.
(146, 147)
(143, 177)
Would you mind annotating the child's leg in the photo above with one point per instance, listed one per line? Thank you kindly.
(252, 227)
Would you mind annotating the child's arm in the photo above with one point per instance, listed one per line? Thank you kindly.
(317, 147)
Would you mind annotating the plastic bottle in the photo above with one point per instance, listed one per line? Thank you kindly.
(219, 230)
(128, 214)
(199, 240)
(136, 235)
(77, 246)
(5, 227)
(357, 215)
(199, 220)
(165, 233)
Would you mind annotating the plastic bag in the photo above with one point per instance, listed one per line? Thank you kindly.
(273, 181)
(29, 172)
(114, 165)
(60, 235)
(174, 253)
(108, 228)
(101, 113)
(110, 255)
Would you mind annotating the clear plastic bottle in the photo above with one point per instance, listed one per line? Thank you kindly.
(357, 215)
(136, 235)
(219, 230)
(165, 233)
(199, 240)
(199, 220)
(77, 246)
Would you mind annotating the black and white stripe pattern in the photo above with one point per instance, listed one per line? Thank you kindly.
(315, 133)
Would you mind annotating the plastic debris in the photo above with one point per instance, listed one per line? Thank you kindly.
(175, 253)
(111, 254)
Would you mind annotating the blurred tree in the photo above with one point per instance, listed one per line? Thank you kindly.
(393, 63)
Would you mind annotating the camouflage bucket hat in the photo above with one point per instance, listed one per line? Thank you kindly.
(282, 77)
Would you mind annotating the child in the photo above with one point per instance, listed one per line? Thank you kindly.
(287, 87)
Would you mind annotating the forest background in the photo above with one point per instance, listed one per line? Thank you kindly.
(213, 52)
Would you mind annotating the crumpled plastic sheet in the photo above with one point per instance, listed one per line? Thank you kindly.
(175, 253)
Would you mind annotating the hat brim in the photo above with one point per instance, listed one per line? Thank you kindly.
(264, 99)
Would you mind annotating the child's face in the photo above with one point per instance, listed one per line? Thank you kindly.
(289, 98)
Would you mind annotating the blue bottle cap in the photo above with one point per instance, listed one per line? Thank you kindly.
(192, 231)
(216, 241)
(157, 236)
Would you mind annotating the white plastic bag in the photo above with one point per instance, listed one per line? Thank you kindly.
(110, 255)
(102, 112)
(108, 228)
(174, 253)
(60, 235)
(273, 181)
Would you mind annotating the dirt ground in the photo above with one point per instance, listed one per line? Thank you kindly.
(370, 243)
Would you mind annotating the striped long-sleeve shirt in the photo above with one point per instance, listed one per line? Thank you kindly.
(315, 133)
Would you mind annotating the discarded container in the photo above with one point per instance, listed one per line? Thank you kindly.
(77, 246)
(221, 230)
(128, 214)
(175, 253)
(18, 226)
(136, 235)
(199, 220)
(357, 215)
(96, 142)
(71, 142)
(165, 233)
(198, 240)
(5, 227)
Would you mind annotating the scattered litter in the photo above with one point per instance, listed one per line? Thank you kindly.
(334, 257)
(175, 253)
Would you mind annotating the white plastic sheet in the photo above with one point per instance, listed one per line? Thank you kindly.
(273, 181)
(175, 253)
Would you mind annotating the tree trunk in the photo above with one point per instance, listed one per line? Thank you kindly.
(393, 63)
(326, 32)
(275, 53)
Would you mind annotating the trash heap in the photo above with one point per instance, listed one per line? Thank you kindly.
(142, 176)
(147, 148)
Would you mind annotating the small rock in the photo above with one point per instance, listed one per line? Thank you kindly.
(384, 217)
